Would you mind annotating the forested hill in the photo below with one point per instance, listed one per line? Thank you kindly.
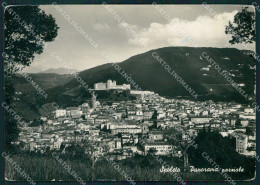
(188, 63)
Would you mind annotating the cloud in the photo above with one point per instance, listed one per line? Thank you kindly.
(204, 31)
(101, 28)
(142, 28)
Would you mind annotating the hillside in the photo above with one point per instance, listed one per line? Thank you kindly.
(149, 74)
(29, 102)
(60, 71)
(186, 62)
(46, 81)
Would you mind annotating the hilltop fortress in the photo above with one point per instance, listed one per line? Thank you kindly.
(111, 85)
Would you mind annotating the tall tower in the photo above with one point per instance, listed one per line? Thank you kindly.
(109, 84)
(93, 101)
(142, 97)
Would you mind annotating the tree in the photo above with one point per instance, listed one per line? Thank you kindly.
(83, 117)
(212, 145)
(26, 36)
(249, 131)
(93, 155)
(221, 149)
(10, 129)
(152, 151)
(36, 122)
(75, 151)
(238, 123)
(62, 147)
(26, 29)
(155, 115)
(174, 137)
(243, 27)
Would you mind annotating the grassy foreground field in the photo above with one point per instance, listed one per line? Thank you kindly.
(46, 168)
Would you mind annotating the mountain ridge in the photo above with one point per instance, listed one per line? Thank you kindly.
(60, 71)
(149, 74)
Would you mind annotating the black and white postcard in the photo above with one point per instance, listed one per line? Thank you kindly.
(130, 92)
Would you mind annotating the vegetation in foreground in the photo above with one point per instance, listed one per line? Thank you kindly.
(139, 168)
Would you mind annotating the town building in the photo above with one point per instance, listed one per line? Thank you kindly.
(241, 143)
(60, 113)
(161, 148)
(126, 130)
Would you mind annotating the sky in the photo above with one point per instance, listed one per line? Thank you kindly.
(122, 31)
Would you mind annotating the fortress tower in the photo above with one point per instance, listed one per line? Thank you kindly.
(111, 84)
(93, 101)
